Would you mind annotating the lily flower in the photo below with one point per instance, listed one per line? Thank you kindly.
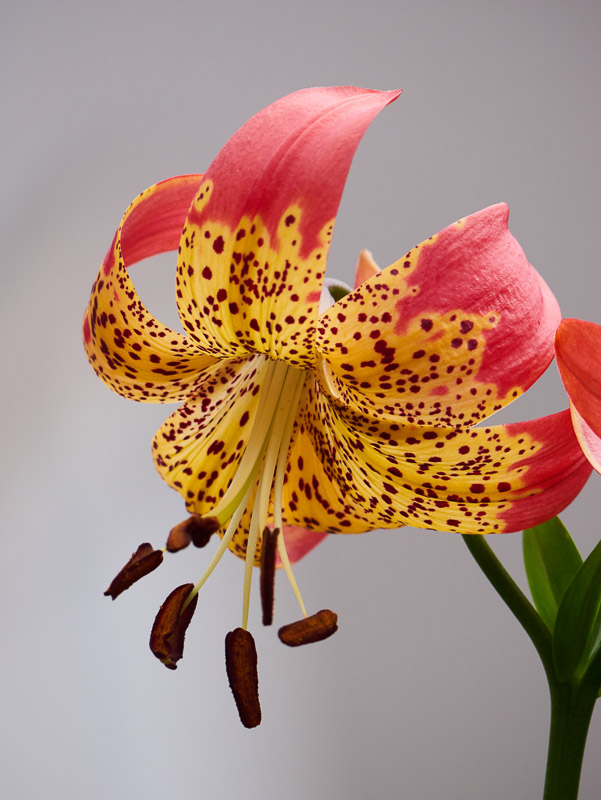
(304, 416)
(578, 351)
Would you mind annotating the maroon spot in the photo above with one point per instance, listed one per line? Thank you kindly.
(87, 333)
(206, 273)
(453, 523)
(419, 354)
(290, 219)
(218, 244)
(221, 295)
(241, 234)
(456, 342)
(190, 271)
(233, 307)
(476, 488)
(464, 449)
(472, 344)
(427, 324)
(503, 486)
(154, 358)
(465, 326)
(244, 419)
(254, 325)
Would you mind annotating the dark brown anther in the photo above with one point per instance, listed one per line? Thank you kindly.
(143, 561)
(170, 624)
(241, 666)
(315, 628)
(269, 548)
(195, 529)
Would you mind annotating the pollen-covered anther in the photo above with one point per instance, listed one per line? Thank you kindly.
(196, 529)
(144, 560)
(315, 628)
(269, 545)
(241, 666)
(170, 625)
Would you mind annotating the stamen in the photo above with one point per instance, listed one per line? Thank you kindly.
(241, 666)
(269, 541)
(170, 624)
(278, 492)
(142, 562)
(195, 529)
(283, 411)
(250, 462)
(315, 628)
(227, 538)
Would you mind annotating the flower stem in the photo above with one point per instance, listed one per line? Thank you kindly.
(572, 704)
(571, 711)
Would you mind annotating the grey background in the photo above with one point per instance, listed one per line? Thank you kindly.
(430, 689)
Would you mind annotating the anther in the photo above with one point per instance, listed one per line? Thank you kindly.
(241, 666)
(269, 544)
(315, 628)
(144, 560)
(169, 628)
(195, 529)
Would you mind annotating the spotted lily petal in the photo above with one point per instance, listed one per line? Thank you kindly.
(578, 350)
(254, 249)
(135, 354)
(198, 448)
(448, 334)
(484, 480)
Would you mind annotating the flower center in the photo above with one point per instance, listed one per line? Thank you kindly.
(261, 470)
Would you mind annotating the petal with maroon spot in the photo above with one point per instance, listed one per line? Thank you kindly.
(254, 249)
(198, 448)
(448, 334)
(134, 353)
(317, 476)
(482, 480)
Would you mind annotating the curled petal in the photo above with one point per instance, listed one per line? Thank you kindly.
(448, 334)
(589, 441)
(254, 249)
(485, 480)
(134, 353)
(578, 349)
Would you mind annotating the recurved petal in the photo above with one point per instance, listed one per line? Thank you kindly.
(589, 441)
(198, 448)
(578, 349)
(254, 249)
(484, 480)
(448, 334)
(134, 353)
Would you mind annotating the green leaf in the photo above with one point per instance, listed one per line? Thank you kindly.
(552, 560)
(577, 635)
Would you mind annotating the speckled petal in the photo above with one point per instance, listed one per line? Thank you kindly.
(198, 448)
(254, 249)
(315, 490)
(484, 480)
(450, 333)
(135, 354)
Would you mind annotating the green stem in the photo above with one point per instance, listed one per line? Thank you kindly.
(571, 710)
(571, 704)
